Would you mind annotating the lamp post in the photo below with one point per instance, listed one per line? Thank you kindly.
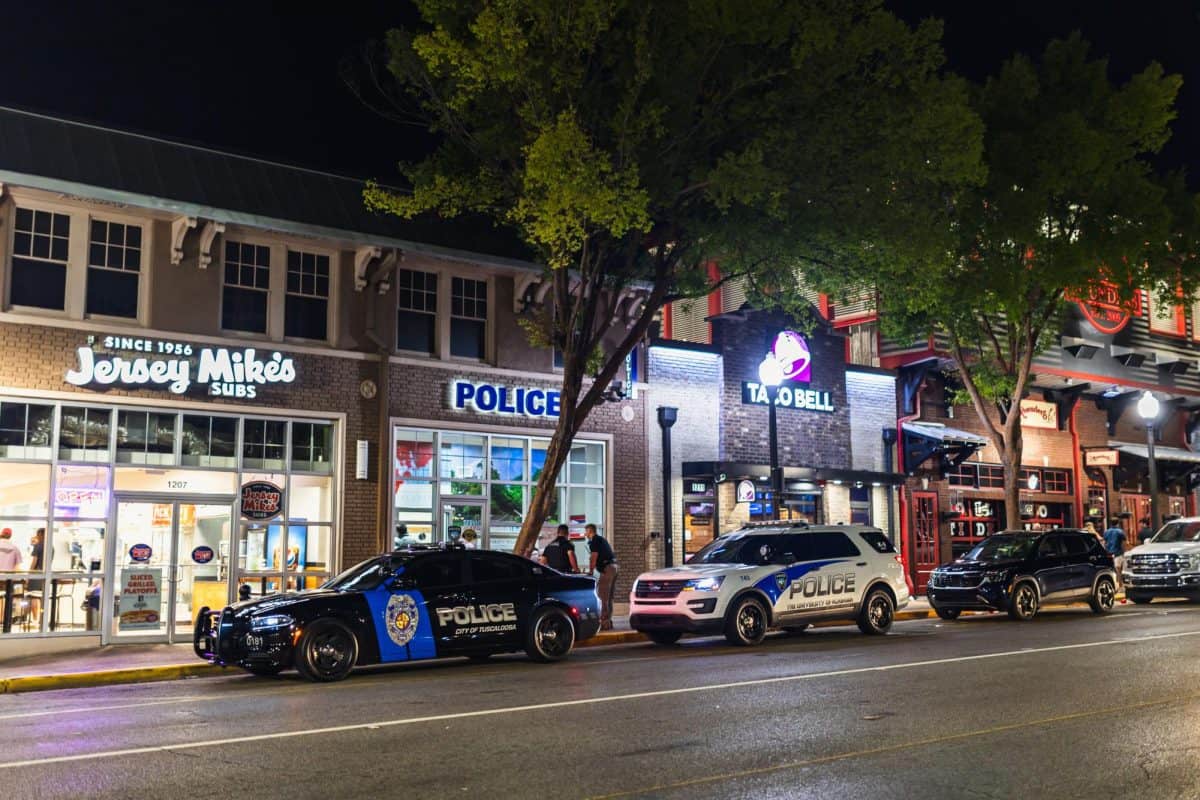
(1148, 408)
(770, 375)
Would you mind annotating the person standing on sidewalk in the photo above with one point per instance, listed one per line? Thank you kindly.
(1145, 533)
(604, 564)
(560, 554)
(1114, 543)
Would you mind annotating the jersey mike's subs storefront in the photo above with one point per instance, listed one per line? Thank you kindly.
(122, 516)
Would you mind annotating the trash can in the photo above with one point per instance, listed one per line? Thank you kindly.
(91, 608)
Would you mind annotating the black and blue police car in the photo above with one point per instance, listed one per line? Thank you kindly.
(411, 604)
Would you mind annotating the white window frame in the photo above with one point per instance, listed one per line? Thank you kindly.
(445, 306)
(81, 215)
(330, 299)
(438, 335)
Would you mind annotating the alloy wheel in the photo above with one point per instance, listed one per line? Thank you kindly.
(750, 622)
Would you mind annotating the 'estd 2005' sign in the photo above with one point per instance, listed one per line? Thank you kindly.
(261, 500)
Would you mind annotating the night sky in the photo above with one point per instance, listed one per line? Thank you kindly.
(262, 78)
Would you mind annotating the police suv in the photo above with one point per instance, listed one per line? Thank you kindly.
(1166, 566)
(415, 603)
(779, 575)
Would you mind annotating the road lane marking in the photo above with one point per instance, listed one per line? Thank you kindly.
(489, 712)
(899, 747)
(694, 648)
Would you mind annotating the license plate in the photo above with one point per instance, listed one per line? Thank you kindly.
(255, 641)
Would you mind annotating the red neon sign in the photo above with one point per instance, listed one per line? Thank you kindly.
(1104, 308)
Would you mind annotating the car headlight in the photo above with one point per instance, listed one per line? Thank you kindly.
(1188, 563)
(704, 584)
(270, 621)
(996, 576)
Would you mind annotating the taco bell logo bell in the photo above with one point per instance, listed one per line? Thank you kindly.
(791, 351)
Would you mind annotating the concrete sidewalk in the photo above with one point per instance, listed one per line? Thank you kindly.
(117, 664)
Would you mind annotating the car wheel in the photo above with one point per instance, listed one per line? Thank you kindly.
(327, 651)
(877, 614)
(796, 630)
(1103, 596)
(551, 635)
(1024, 603)
(664, 637)
(1138, 599)
(746, 623)
(948, 614)
(264, 670)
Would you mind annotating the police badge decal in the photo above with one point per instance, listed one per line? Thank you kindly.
(402, 617)
(781, 580)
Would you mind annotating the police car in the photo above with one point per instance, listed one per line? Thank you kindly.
(411, 604)
(776, 576)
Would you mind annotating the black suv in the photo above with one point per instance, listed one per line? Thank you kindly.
(1020, 571)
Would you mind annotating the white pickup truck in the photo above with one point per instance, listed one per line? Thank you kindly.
(1166, 566)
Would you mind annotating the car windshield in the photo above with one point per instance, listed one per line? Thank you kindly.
(1178, 532)
(1002, 547)
(735, 548)
(364, 575)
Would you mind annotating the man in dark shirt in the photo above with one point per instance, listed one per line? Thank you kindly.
(560, 554)
(1146, 533)
(604, 564)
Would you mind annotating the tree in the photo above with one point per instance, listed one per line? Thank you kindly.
(1070, 202)
(630, 144)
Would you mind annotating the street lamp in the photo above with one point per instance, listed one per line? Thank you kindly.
(770, 375)
(1148, 408)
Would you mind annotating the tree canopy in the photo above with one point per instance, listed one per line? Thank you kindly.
(1070, 200)
(631, 143)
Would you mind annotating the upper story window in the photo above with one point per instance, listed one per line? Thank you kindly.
(114, 262)
(468, 318)
(416, 317)
(247, 279)
(39, 265)
(307, 306)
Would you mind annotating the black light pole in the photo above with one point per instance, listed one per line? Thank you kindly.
(889, 439)
(770, 374)
(1148, 408)
(666, 418)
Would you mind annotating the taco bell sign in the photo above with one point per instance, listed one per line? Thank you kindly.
(791, 351)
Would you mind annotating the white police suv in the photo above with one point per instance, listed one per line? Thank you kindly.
(781, 575)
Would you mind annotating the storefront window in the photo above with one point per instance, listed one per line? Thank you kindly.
(311, 498)
(145, 437)
(264, 443)
(312, 447)
(25, 430)
(209, 441)
(24, 490)
(502, 472)
(860, 505)
(587, 463)
(462, 464)
(81, 492)
(508, 459)
(83, 434)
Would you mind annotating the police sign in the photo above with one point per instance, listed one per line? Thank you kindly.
(489, 398)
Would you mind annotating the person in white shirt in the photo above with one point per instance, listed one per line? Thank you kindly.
(10, 554)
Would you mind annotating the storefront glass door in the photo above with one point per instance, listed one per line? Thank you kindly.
(463, 522)
(170, 558)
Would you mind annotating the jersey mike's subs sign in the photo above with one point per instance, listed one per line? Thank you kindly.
(261, 500)
(130, 362)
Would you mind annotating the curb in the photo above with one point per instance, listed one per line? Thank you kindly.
(83, 680)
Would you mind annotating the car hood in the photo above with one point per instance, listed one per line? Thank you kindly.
(1151, 549)
(978, 566)
(274, 602)
(692, 571)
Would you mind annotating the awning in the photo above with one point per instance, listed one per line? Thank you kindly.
(924, 440)
(1160, 453)
(1174, 463)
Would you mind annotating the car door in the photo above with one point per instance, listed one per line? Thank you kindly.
(1050, 567)
(823, 578)
(441, 586)
(503, 592)
(1079, 569)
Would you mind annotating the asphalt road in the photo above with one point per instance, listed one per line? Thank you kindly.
(1069, 705)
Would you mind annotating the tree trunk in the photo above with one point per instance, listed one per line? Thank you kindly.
(1010, 458)
(545, 491)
